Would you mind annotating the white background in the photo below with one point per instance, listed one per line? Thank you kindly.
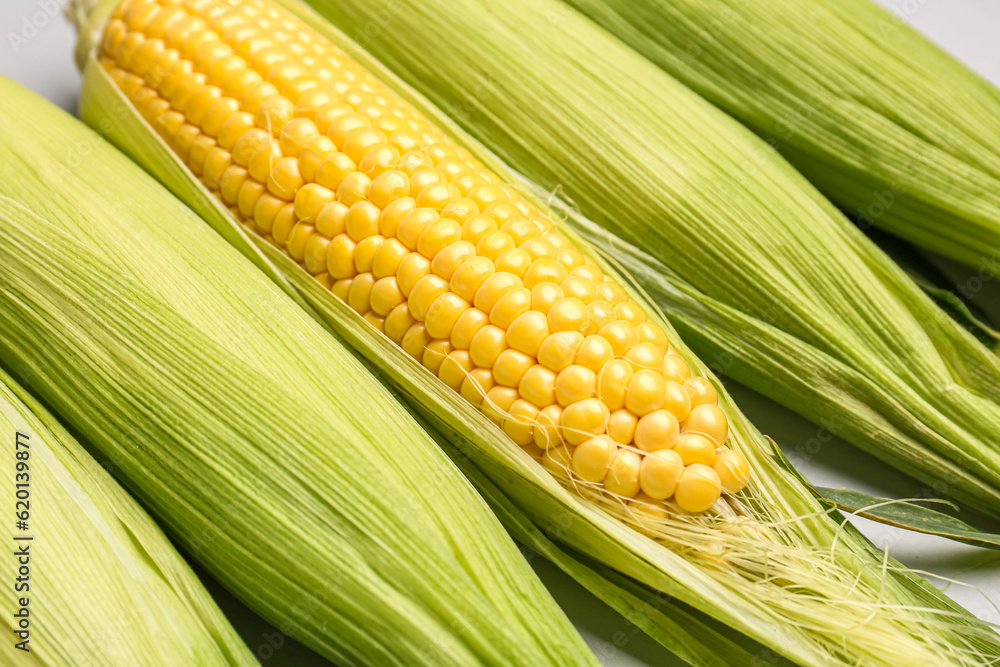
(966, 28)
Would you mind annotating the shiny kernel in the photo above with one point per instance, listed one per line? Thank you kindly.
(467, 326)
(344, 126)
(594, 353)
(393, 214)
(467, 183)
(265, 211)
(547, 434)
(438, 236)
(708, 420)
(698, 489)
(388, 258)
(701, 391)
(656, 430)
(388, 187)
(460, 210)
(379, 161)
(539, 248)
(645, 356)
(559, 350)
(423, 179)
(520, 424)
(360, 296)
(612, 383)
(310, 199)
(498, 402)
(630, 312)
(511, 366)
(592, 459)
(414, 224)
(733, 470)
(589, 271)
(695, 448)
(676, 369)
(330, 114)
(476, 385)
(437, 196)
(386, 295)
(519, 229)
(487, 345)
(623, 477)
(569, 314)
(447, 261)
(331, 220)
(487, 195)
(477, 227)
(233, 129)
(250, 193)
(621, 335)
(362, 220)
(544, 296)
(538, 385)
(332, 171)
(215, 116)
(495, 286)
(285, 179)
(263, 160)
(443, 314)
(527, 332)
(579, 288)
(377, 323)
(434, 355)
(424, 293)
(315, 254)
(353, 188)
(558, 460)
(273, 114)
(360, 142)
(284, 222)
(232, 182)
(298, 239)
(340, 257)
(415, 340)
(246, 147)
(575, 383)
(660, 472)
(584, 420)
(647, 390)
(494, 244)
(510, 306)
(295, 134)
(515, 261)
(365, 251)
(398, 322)
(621, 426)
(612, 292)
(413, 267)
(677, 401)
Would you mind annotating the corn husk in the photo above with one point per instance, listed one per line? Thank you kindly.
(888, 126)
(265, 448)
(771, 565)
(104, 585)
(644, 158)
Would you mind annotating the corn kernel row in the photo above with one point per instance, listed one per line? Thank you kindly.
(313, 153)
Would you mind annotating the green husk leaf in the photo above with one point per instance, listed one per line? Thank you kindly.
(639, 154)
(269, 452)
(91, 547)
(777, 527)
(907, 515)
(886, 124)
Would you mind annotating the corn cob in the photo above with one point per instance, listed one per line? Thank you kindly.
(89, 547)
(889, 127)
(735, 225)
(746, 562)
(432, 249)
(271, 454)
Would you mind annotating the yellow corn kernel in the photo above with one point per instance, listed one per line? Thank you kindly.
(698, 488)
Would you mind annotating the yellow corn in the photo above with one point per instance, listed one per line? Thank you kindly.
(313, 153)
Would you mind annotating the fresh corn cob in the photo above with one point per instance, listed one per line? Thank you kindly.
(97, 582)
(270, 453)
(889, 127)
(798, 290)
(768, 561)
(322, 160)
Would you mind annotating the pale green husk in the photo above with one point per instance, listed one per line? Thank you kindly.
(884, 123)
(743, 235)
(769, 564)
(269, 453)
(105, 585)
